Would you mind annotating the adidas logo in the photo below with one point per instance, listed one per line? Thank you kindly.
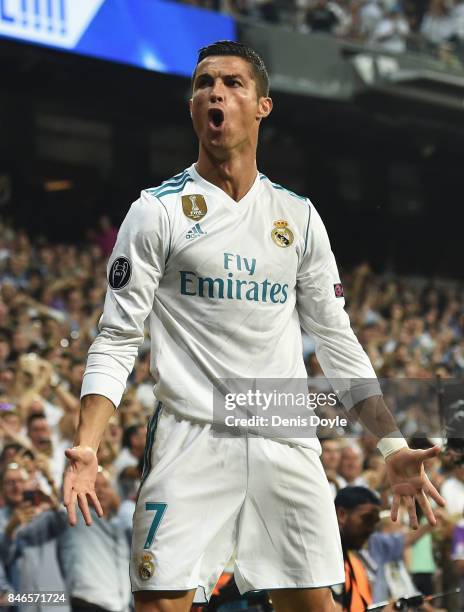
(195, 232)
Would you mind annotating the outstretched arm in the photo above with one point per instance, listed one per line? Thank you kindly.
(81, 473)
(134, 270)
(322, 314)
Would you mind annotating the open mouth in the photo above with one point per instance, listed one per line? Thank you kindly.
(216, 116)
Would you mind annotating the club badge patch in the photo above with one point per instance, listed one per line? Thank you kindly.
(146, 566)
(120, 273)
(338, 288)
(281, 234)
(194, 206)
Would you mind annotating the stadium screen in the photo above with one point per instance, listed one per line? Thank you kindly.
(150, 34)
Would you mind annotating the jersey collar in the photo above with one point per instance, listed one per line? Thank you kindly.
(218, 192)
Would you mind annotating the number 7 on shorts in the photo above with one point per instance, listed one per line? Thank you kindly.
(159, 512)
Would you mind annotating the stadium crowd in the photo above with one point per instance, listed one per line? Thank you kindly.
(51, 297)
(432, 26)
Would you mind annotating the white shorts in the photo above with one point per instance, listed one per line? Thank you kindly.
(205, 497)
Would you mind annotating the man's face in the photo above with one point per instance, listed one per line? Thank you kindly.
(105, 494)
(40, 435)
(13, 486)
(350, 463)
(138, 440)
(330, 456)
(13, 421)
(357, 525)
(225, 107)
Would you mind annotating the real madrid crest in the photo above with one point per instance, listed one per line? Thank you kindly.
(194, 206)
(281, 234)
(146, 566)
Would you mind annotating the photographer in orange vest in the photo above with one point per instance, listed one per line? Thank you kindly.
(358, 511)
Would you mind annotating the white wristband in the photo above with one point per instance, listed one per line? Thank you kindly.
(391, 443)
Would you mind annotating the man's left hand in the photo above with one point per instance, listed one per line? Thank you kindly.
(405, 470)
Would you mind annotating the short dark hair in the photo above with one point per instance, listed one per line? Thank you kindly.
(352, 497)
(35, 416)
(17, 447)
(128, 433)
(230, 47)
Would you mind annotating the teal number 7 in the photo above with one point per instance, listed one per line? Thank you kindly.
(159, 512)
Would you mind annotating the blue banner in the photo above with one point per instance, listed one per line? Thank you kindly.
(152, 34)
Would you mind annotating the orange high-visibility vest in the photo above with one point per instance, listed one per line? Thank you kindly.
(358, 593)
(223, 580)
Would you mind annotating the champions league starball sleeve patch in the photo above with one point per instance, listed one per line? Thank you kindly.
(338, 288)
(120, 273)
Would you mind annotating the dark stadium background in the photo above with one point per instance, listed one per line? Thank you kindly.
(384, 169)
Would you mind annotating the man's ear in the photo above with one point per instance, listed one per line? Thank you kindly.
(190, 106)
(264, 108)
(341, 515)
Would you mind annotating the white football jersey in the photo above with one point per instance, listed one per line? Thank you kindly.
(227, 286)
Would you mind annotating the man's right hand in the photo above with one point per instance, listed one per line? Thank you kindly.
(79, 483)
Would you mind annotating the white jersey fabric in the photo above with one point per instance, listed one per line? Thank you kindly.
(227, 286)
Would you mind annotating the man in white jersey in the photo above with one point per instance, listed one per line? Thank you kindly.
(228, 266)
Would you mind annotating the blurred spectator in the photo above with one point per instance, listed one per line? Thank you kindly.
(422, 563)
(39, 433)
(351, 465)
(95, 561)
(106, 237)
(128, 485)
(370, 14)
(387, 547)
(358, 514)
(9, 452)
(9, 417)
(30, 522)
(14, 512)
(264, 10)
(330, 458)
(438, 25)
(452, 490)
(133, 448)
(391, 31)
(321, 17)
